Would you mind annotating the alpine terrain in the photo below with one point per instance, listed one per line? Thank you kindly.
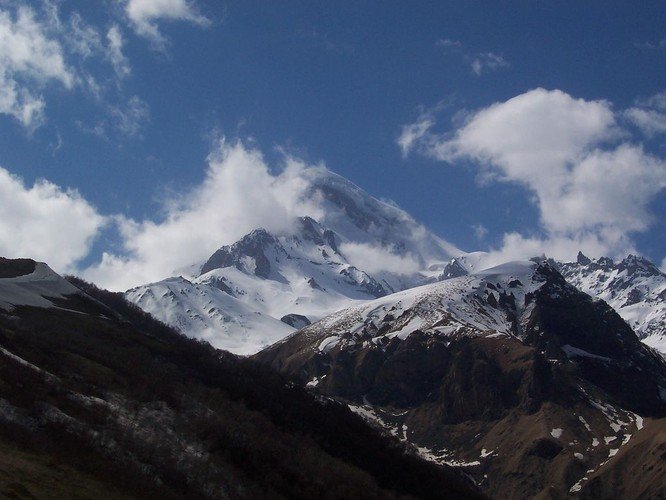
(634, 287)
(258, 290)
(254, 292)
(536, 388)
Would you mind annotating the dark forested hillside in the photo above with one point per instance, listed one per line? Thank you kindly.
(97, 399)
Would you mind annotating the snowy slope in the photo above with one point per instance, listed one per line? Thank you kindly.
(361, 248)
(215, 316)
(37, 289)
(634, 287)
(484, 303)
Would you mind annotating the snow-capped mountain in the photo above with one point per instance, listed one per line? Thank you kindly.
(634, 287)
(259, 289)
(465, 305)
(511, 372)
(256, 291)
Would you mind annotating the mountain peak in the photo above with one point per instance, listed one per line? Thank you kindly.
(635, 265)
(634, 287)
(582, 259)
(253, 246)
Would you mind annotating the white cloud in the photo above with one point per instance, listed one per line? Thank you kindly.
(86, 41)
(480, 231)
(649, 115)
(413, 132)
(375, 259)
(488, 61)
(651, 122)
(83, 39)
(561, 247)
(238, 194)
(130, 118)
(591, 192)
(124, 121)
(662, 268)
(145, 14)
(29, 59)
(45, 222)
(120, 63)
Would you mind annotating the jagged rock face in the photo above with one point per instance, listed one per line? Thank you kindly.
(634, 287)
(313, 269)
(453, 269)
(512, 371)
(296, 321)
(252, 247)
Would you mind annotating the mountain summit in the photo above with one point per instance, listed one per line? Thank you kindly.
(243, 296)
(634, 287)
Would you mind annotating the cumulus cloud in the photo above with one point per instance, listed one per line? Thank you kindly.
(238, 194)
(651, 122)
(241, 193)
(45, 222)
(376, 258)
(592, 189)
(144, 16)
(30, 58)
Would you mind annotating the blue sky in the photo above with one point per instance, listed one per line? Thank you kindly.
(119, 107)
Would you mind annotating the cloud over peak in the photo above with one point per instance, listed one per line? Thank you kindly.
(238, 194)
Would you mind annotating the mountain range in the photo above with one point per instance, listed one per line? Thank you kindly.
(352, 353)
(258, 290)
